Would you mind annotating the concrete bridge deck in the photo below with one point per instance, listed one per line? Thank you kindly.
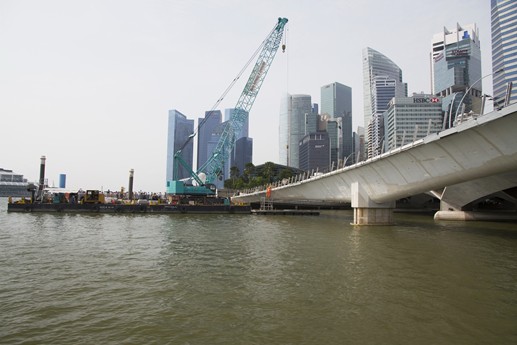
(459, 165)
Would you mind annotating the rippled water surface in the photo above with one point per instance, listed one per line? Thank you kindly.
(200, 279)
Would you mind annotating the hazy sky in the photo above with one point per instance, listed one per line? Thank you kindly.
(89, 83)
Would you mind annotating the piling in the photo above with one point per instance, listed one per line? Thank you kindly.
(130, 189)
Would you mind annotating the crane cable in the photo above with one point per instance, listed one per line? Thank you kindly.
(252, 58)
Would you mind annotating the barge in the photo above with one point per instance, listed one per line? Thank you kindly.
(94, 201)
(127, 208)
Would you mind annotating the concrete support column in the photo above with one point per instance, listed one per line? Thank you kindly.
(368, 212)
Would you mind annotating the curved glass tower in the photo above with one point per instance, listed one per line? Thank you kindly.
(382, 80)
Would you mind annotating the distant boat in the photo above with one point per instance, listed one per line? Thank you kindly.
(12, 184)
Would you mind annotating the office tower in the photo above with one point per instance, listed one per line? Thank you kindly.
(456, 68)
(504, 49)
(292, 127)
(206, 127)
(336, 101)
(224, 172)
(178, 131)
(411, 118)
(243, 153)
(229, 113)
(382, 79)
(333, 127)
(314, 152)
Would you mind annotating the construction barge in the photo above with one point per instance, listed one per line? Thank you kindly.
(127, 208)
(94, 201)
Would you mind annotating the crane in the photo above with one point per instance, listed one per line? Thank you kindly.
(208, 172)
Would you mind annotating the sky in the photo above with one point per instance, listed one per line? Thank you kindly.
(89, 83)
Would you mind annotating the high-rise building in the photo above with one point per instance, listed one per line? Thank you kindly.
(333, 128)
(230, 113)
(504, 49)
(293, 111)
(178, 131)
(336, 101)
(456, 68)
(411, 118)
(206, 125)
(224, 169)
(314, 150)
(243, 153)
(382, 80)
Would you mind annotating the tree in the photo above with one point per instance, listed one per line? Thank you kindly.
(234, 174)
(249, 169)
(268, 171)
(285, 173)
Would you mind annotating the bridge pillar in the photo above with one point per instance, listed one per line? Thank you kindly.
(368, 212)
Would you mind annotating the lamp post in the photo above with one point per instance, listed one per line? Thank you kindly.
(470, 87)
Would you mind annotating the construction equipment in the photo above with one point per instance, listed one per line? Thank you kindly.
(200, 182)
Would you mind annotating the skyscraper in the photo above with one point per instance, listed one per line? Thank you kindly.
(292, 127)
(456, 68)
(242, 153)
(382, 80)
(314, 151)
(336, 101)
(179, 129)
(411, 118)
(504, 49)
(229, 113)
(206, 125)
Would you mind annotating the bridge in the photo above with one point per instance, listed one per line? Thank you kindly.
(460, 165)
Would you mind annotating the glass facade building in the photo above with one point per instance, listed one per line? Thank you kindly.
(336, 101)
(314, 151)
(376, 64)
(293, 111)
(206, 125)
(382, 79)
(178, 130)
(243, 153)
(456, 68)
(504, 49)
(411, 118)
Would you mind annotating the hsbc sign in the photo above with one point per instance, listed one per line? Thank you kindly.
(426, 100)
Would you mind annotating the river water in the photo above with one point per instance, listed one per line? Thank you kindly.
(243, 279)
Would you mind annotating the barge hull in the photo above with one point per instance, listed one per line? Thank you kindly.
(116, 208)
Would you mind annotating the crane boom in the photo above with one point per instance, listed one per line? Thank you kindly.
(226, 142)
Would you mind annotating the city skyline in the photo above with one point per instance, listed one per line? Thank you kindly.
(113, 70)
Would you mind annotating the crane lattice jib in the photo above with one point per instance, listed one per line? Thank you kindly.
(214, 165)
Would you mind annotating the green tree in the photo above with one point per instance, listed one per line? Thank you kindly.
(249, 169)
(268, 171)
(234, 174)
(285, 173)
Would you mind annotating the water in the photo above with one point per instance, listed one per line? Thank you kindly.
(199, 279)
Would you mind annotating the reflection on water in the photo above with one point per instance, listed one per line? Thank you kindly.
(202, 279)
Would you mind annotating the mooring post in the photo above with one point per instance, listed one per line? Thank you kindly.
(130, 189)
